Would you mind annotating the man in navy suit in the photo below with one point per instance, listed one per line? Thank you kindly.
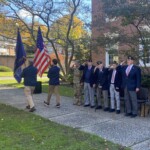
(88, 80)
(102, 86)
(131, 75)
(115, 79)
(30, 80)
(53, 75)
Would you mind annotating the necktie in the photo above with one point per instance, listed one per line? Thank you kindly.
(113, 77)
(128, 70)
(89, 67)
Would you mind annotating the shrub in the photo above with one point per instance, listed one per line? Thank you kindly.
(5, 69)
(146, 81)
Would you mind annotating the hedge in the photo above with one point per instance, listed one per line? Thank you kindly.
(5, 69)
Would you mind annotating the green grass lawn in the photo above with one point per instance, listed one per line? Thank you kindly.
(10, 74)
(64, 90)
(22, 130)
(11, 82)
(6, 74)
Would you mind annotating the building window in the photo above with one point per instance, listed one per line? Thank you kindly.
(145, 58)
(113, 56)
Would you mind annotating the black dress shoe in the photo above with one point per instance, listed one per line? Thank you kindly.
(111, 110)
(106, 109)
(87, 105)
(32, 109)
(134, 115)
(128, 114)
(28, 107)
(58, 105)
(118, 112)
(92, 106)
(98, 107)
(46, 103)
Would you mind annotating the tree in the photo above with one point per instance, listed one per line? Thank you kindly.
(8, 30)
(48, 13)
(77, 34)
(134, 15)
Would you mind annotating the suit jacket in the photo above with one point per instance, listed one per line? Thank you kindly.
(84, 69)
(117, 80)
(101, 78)
(133, 80)
(53, 75)
(30, 75)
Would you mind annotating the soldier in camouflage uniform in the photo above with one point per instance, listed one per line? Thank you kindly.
(76, 84)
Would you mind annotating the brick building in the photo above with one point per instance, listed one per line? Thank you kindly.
(7, 52)
(100, 26)
(7, 47)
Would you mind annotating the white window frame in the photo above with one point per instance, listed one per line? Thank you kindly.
(141, 63)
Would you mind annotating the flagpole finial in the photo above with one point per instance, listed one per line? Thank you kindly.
(17, 25)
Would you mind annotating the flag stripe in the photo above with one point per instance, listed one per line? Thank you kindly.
(42, 58)
(38, 58)
(36, 54)
(43, 64)
(46, 65)
(42, 61)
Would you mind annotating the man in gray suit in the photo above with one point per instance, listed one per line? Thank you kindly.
(88, 80)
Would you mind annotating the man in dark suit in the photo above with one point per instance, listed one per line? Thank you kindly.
(101, 83)
(115, 79)
(30, 80)
(88, 80)
(131, 76)
(53, 75)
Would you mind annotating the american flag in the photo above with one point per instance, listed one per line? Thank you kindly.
(41, 58)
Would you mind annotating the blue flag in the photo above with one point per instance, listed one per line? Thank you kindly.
(20, 58)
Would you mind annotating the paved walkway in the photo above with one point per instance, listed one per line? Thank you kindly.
(134, 133)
